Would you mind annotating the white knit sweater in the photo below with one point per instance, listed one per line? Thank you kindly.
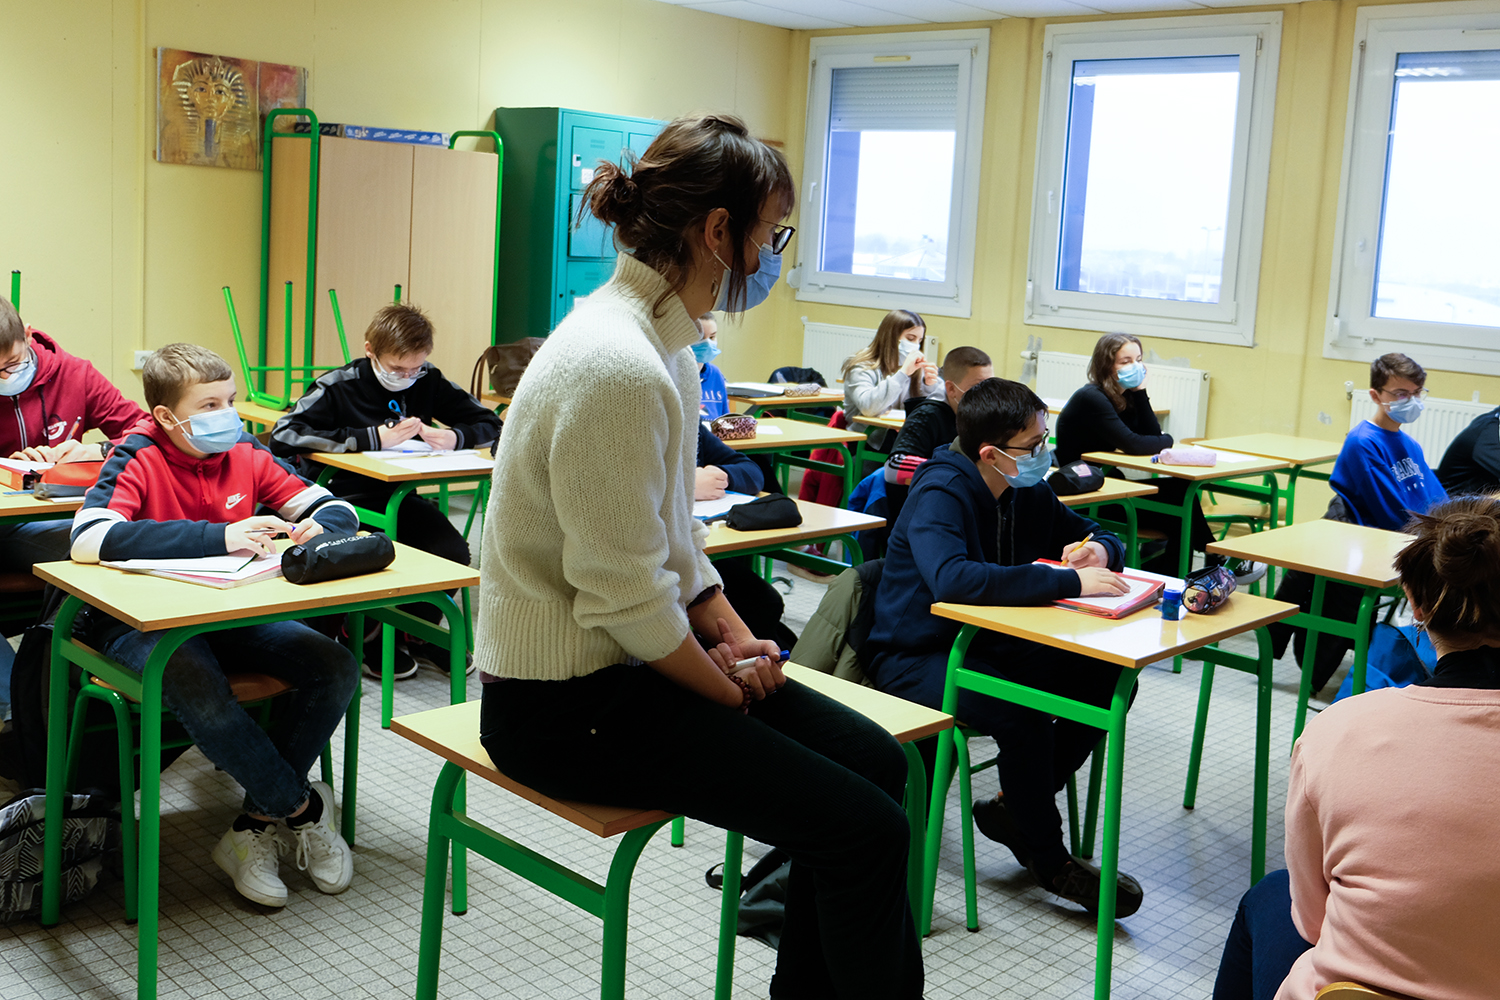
(591, 550)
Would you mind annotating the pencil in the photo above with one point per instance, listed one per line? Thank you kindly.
(76, 422)
(1079, 547)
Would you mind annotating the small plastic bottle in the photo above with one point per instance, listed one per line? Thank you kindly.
(1171, 602)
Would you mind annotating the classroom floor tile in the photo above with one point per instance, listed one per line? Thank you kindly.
(519, 942)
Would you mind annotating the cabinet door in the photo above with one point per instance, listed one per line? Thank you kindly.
(453, 252)
(364, 236)
(590, 145)
(640, 141)
(583, 276)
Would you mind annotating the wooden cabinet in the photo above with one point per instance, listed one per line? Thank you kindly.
(388, 214)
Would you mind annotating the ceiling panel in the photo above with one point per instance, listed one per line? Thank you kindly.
(810, 14)
(746, 10)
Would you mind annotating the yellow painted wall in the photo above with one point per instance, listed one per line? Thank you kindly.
(120, 252)
(1283, 383)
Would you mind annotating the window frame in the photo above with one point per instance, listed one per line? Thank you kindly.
(1352, 332)
(954, 296)
(1256, 39)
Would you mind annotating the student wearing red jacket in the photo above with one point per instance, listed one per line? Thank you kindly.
(48, 399)
(188, 481)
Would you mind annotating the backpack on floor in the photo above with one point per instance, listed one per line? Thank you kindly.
(90, 828)
(1397, 656)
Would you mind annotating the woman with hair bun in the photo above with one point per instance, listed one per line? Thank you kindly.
(1392, 878)
(615, 671)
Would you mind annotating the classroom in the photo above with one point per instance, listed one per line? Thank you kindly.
(121, 254)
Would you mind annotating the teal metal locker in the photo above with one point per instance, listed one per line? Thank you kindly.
(547, 258)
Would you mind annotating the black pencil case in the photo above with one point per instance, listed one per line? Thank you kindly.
(775, 510)
(337, 556)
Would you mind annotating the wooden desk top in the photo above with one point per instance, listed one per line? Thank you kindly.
(1298, 451)
(1348, 552)
(388, 472)
(1132, 641)
(794, 434)
(892, 420)
(788, 402)
(149, 603)
(258, 414)
(452, 732)
(818, 521)
(1224, 470)
(493, 401)
(1055, 405)
(23, 506)
(1112, 490)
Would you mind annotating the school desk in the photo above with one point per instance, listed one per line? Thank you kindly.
(16, 508)
(261, 416)
(1329, 550)
(1119, 492)
(1130, 642)
(1297, 452)
(793, 405)
(185, 610)
(891, 420)
(1055, 406)
(819, 523)
(780, 436)
(1217, 477)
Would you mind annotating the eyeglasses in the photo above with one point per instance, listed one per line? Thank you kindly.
(416, 372)
(1402, 395)
(11, 369)
(780, 237)
(1035, 451)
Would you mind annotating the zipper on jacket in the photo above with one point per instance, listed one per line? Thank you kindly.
(20, 421)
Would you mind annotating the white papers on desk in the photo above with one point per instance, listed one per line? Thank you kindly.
(411, 446)
(755, 389)
(19, 465)
(1231, 457)
(766, 429)
(223, 572)
(705, 509)
(466, 460)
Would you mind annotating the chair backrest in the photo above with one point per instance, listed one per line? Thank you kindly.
(1353, 991)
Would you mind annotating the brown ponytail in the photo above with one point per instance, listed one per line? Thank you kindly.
(1452, 569)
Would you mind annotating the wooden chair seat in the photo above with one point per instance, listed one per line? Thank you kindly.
(20, 583)
(246, 687)
(1352, 991)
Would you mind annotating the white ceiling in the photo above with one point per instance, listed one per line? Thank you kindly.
(859, 14)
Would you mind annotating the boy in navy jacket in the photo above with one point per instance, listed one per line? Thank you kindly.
(389, 396)
(185, 482)
(976, 519)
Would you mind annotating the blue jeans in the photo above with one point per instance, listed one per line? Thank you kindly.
(1263, 942)
(271, 767)
(800, 772)
(30, 542)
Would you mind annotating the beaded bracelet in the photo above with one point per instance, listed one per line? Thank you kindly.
(745, 688)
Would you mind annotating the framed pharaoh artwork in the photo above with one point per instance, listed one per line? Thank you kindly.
(209, 108)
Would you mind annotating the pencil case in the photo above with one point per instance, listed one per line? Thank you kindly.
(774, 510)
(803, 389)
(333, 557)
(67, 479)
(733, 427)
(1207, 588)
(1186, 456)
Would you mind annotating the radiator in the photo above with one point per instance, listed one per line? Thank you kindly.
(1439, 424)
(1183, 391)
(826, 346)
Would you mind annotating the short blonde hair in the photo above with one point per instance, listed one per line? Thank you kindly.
(399, 329)
(169, 371)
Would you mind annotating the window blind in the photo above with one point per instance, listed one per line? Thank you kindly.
(894, 99)
(1475, 64)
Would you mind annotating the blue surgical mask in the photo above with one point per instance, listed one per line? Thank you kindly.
(1030, 469)
(213, 432)
(1131, 376)
(758, 285)
(1404, 411)
(705, 351)
(20, 379)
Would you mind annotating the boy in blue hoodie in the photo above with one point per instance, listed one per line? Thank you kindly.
(976, 519)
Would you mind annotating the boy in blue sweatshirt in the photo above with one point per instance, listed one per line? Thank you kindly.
(977, 518)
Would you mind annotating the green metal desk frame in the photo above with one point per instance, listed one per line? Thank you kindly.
(1112, 721)
(145, 688)
(782, 460)
(1317, 624)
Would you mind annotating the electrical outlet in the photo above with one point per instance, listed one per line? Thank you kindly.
(140, 359)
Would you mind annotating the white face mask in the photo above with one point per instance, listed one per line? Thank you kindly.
(20, 379)
(393, 382)
(905, 349)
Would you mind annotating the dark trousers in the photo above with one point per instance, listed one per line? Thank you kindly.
(1263, 942)
(1037, 751)
(800, 772)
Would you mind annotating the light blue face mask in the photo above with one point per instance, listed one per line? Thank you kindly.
(1131, 376)
(20, 379)
(758, 285)
(213, 432)
(705, 351)
(1030, 469)
(1404, 411)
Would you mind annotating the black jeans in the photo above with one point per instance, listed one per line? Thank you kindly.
(800, 772)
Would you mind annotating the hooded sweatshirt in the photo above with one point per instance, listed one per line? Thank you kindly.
(67, 392)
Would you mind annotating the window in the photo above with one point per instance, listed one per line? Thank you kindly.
(891, 177)
(1417, 264)
(1152, 157)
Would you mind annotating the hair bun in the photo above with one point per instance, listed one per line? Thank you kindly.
(1468, 546)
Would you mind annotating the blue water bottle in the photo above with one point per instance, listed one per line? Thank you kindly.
(1171, 602)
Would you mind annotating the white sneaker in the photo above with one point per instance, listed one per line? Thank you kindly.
(251, 858)
(1248, 573)
(321, 851)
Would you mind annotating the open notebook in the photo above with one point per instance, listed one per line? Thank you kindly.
(223, 572)
(1144, 588)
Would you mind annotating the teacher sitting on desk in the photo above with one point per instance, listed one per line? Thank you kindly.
(605, 642)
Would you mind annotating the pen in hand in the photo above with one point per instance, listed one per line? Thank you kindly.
(782, 656)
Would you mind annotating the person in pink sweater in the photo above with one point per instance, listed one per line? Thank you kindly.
(1392, 879)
